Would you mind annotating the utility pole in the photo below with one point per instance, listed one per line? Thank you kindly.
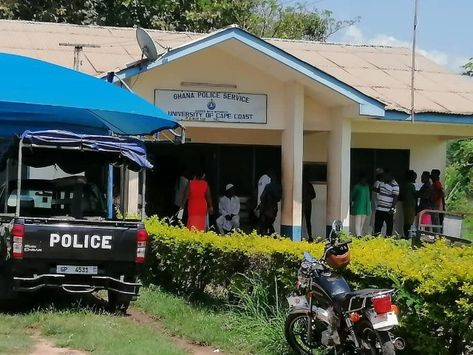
(413, 69)
(78, 48)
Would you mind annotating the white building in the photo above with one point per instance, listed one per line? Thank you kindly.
(337, 109)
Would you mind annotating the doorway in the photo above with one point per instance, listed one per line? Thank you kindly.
(241, 165)
(368, 160)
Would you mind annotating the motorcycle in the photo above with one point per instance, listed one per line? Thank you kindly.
(332, 318)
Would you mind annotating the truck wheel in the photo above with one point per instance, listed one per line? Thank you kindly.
(118, 302)
(6, 287)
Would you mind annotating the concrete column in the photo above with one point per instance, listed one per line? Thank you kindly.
(338, 197)
(132, 193)
(291, 163)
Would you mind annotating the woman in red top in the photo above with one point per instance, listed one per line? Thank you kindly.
(199, 202)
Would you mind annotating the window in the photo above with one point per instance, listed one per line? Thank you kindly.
(55, 198)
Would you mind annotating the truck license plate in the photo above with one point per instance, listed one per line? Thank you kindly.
(76, 270)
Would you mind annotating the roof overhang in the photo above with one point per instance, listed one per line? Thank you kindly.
(367, 105)
(429, 117)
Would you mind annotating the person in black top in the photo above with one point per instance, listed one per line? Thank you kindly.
(268, 207)
(308, 194)
(426, 199)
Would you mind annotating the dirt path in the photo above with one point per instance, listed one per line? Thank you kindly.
(45, 347)
(191, 348)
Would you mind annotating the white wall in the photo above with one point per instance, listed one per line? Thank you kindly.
(316, 147)
(217, 66)
(316, 151)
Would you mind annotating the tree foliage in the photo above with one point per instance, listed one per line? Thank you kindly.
(468, 68)
(459, 177)
(271, 19)
(460, 170)
(265, 18)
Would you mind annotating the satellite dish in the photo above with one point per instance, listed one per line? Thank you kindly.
(147, 45)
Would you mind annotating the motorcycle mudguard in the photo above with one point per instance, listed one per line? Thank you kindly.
(320, 313)
(299, 310)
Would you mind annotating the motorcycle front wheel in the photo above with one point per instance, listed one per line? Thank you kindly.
(374, 342)
(296, 334)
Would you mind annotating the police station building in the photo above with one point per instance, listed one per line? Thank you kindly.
(251, 104)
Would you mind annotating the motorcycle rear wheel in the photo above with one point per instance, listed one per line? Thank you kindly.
(374, 342)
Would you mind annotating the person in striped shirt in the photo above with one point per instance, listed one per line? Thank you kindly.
(388, 194)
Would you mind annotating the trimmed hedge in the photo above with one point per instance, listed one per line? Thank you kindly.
(434, 284)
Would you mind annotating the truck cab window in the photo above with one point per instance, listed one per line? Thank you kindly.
(58, 198)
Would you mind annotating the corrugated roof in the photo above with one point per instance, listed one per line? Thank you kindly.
(382, 73)
(118, 45)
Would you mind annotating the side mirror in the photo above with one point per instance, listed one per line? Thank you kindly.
(337, 226)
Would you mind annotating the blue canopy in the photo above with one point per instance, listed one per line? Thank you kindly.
(36, 95)
(83, 151)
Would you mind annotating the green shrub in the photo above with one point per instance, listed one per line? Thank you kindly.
(434, 284)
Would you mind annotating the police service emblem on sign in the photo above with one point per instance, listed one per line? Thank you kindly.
(211, 105)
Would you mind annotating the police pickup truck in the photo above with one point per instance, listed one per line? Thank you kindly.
(58, 232)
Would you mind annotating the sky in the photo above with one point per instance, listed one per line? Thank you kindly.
(445, 28)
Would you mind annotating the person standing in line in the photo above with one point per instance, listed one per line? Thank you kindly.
(360, 203)
(264, 180)
(408, 196)
(388, 193)
(426, 199)
(374, 195)
(438, 199)
(180, 189)
(199, 202)
(308, 194)
(229, 209)
(269, 206)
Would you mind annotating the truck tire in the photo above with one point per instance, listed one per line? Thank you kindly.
(117, 302)
(6, 285)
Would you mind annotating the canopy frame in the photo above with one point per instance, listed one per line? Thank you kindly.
(22, 145)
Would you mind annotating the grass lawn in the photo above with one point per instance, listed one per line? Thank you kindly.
(88, 327)
(82, 328)
(12, 336)
(101, 333)
(220, 328)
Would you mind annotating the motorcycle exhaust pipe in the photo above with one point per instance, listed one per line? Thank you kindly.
(399, 343)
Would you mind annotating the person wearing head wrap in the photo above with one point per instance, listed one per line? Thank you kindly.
(229, 209)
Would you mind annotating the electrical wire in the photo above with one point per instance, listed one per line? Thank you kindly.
(90, 62)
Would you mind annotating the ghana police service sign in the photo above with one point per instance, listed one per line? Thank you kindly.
(212, 106)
